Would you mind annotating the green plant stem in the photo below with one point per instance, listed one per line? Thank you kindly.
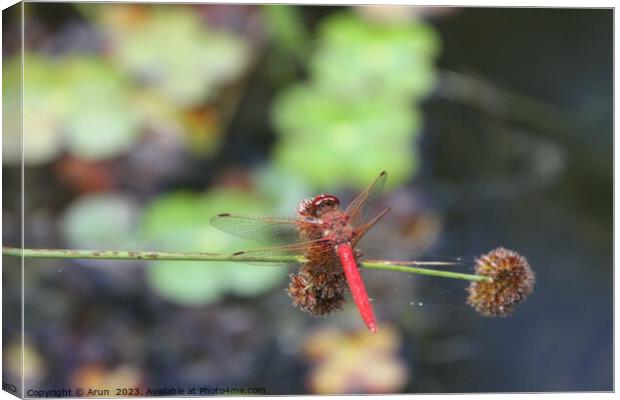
(196, 256)
(423, 271)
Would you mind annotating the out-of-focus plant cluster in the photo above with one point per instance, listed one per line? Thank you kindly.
(160, 69)
(121, 102)
(358, 111)
(151, 72)
(153, 86)
(356, 363)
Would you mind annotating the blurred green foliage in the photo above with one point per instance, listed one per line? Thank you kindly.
(160, 63)
(179, 221)
(358, 113)
(357, 58)
(282, 189)
(100, 121)
(173, 51)
(335, 142)
(78, 101)
(162, 70)
(100, 221)
(287, 29)
(42, 112)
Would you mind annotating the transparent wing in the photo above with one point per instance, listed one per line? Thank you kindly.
(363, 206)
(361, 230)
(285, 255)
(261, 229)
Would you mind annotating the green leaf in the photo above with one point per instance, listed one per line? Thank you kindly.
(305, 111)
(344, 143)
(174, 222)
(249, 281)
(102, 122)
(172, 50)
(188, 283)
(42, 113)
(100, 221)
(356, 57)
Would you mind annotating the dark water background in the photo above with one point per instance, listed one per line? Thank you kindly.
(563, 57)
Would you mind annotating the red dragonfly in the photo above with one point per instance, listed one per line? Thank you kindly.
(326, 237)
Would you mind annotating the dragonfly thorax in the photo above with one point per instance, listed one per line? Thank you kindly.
(336, 227)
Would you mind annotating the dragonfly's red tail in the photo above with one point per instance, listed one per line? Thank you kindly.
(356, 284)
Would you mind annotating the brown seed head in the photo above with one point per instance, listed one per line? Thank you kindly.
(302, 292)
(513, 281)
(317, 294)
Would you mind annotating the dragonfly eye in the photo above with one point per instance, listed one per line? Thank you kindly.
(324, 203)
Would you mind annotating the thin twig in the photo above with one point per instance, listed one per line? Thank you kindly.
(481, 94)
(198, 256)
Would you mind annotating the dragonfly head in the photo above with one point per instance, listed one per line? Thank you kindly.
(324, 203)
